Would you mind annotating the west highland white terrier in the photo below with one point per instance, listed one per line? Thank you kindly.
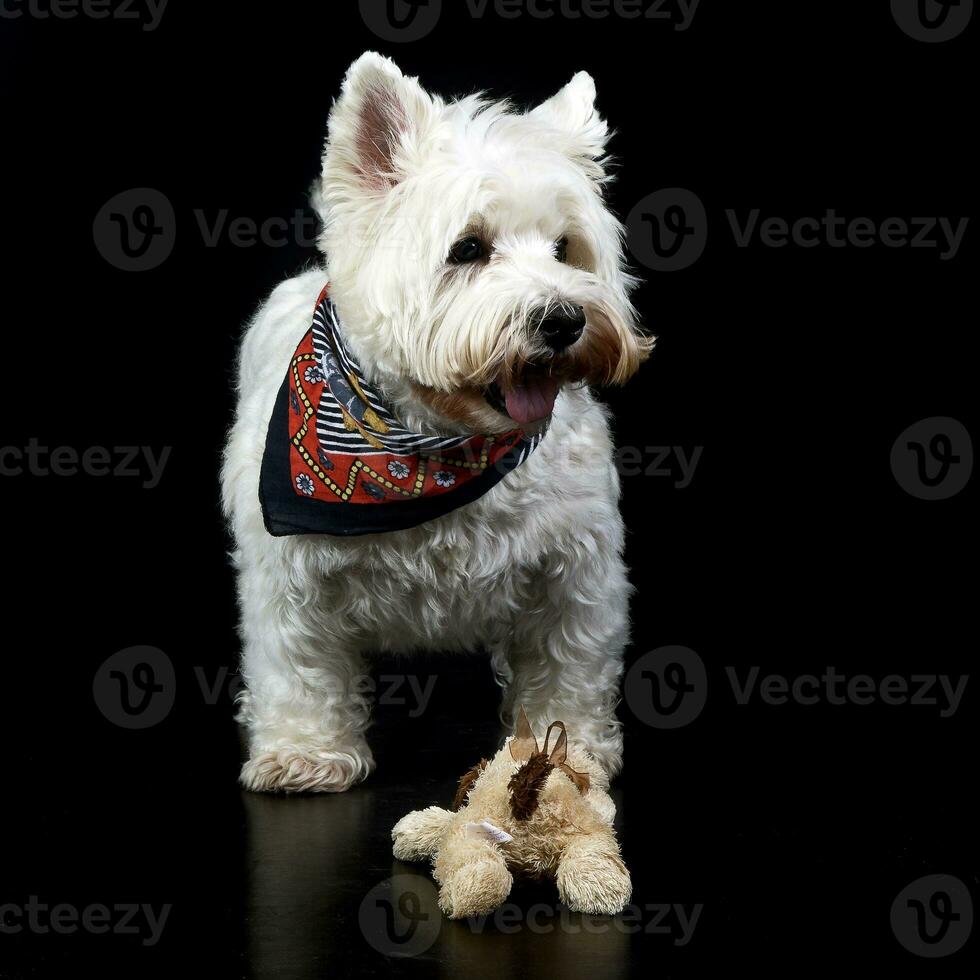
(417, 462)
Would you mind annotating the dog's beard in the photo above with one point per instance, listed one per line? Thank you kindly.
(506, 367)
(530, 375)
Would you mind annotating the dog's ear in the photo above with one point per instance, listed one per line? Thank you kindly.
(573, 111)
(376, 122)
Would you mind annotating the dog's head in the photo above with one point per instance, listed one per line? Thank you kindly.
(472, 258)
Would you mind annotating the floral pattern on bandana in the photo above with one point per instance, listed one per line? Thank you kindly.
(343, 445)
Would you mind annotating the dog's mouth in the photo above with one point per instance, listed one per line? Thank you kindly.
(528, 398)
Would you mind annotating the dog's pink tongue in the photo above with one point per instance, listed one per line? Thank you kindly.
(533, 400)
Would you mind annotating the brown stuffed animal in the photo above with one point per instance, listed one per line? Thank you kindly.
(527, 812)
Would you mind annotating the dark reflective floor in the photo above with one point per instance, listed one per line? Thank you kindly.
(787, 859)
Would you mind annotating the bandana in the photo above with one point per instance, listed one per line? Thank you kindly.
(338, 461)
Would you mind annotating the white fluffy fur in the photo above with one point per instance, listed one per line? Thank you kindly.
(532, 571)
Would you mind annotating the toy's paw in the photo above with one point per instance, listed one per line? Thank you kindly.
(290, 770)
(476, 888)
(594, 882)
(418, 834)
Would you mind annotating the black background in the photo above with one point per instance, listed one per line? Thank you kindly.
(793, 548)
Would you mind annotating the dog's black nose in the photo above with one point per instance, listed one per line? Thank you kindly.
(562, 327)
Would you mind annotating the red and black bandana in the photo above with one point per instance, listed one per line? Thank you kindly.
(337, 461)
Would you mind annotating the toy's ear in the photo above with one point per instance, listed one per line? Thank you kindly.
(559, 755)
(582, 780)
(379, 115)
(523, 745)
(466, 782)
(573, 111)
(560, 751)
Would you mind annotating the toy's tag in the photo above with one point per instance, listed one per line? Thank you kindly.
(486, 831)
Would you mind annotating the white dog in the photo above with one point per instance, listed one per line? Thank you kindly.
(478, 281)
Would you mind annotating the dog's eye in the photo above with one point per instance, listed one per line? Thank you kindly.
(466, 250)
(561, 250)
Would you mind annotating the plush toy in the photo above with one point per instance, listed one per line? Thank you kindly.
(527, 812)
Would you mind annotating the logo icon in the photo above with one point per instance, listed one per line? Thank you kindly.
(400, 916)
(933, 459)
(932, 20)
(933, 916)
(401, 20)
(135, 688)
(135, 231)
(667, 687)
(668, 229)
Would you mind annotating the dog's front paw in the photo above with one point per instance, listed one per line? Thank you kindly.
(291, 770)
(606, 750)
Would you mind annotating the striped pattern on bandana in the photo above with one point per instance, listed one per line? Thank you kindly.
(338, 461)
